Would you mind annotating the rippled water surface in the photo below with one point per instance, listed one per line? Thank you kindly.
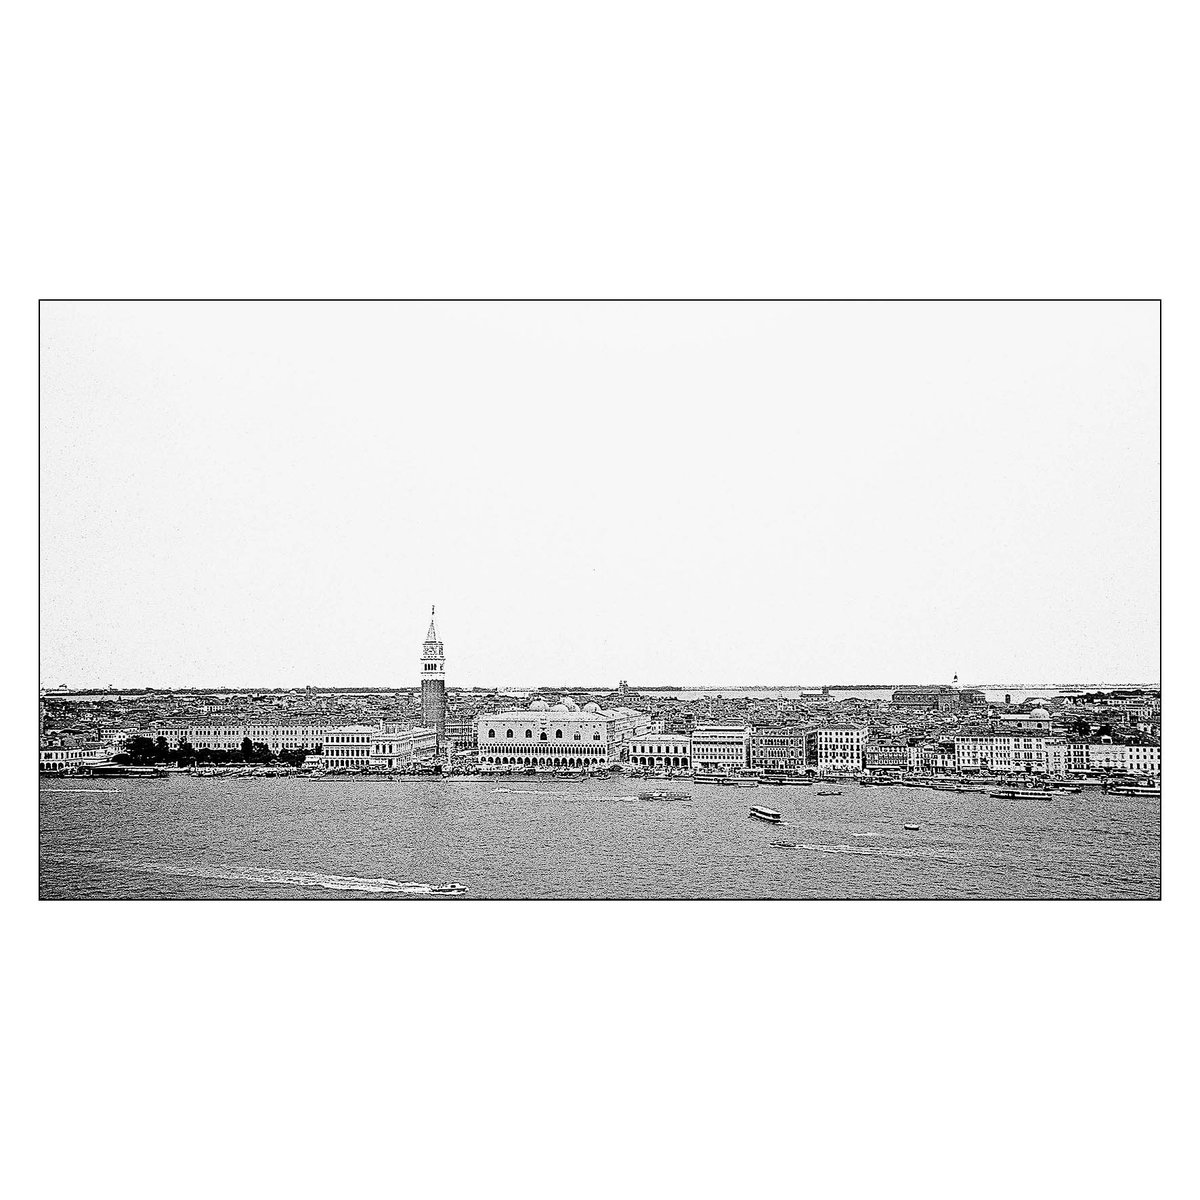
(294, 838)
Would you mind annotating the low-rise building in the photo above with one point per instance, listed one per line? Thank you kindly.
(462, 733)
(882, 758)
(778, 747)
(662, 750)
(230, 737)
(1008, 754)
(562, 737)
(931, 758)
(835, 748)
(724, 749)
(59, 760)
(396, 748)
(1038, 721)
(348, 747)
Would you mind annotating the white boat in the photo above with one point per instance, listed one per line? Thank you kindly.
(448, 889)
(765, 814)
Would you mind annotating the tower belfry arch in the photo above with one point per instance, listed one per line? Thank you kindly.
(433, 680)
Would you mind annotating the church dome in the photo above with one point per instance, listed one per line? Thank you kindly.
(539, 706)
(569, 704)
(592, 707)
(1040, 714)
(560, 707)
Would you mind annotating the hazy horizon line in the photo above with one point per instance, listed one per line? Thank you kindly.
(589, 687)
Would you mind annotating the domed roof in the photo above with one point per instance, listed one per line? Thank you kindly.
(592, 707)
(570, 704)
(560, 707)
(1041, 714)
(539, 706)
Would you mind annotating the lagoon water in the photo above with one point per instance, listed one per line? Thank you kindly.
(181, 837)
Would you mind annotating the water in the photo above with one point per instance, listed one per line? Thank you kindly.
(357, 839)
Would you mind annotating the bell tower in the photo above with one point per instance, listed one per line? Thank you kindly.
(433, 682)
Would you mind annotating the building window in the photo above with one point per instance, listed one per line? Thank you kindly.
(491, 733)
(558, 733)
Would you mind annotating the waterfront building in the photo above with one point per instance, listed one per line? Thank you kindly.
(396, 748)
(433, 681)
(836, 748)
(230, 737)
(348, 747)
(542, 737)
(1010, 754)
(880, 758)
(936, 758)
(721, 748)
(462, 733)
(1143, 760)
(666, 750)
(778, 747)
(62, 759)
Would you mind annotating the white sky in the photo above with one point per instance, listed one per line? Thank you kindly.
(254, 494)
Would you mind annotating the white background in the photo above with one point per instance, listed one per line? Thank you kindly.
(610, 1049)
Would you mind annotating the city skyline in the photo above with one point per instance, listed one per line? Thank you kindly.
(251, 492)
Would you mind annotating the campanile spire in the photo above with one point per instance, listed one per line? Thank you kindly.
(433, 680)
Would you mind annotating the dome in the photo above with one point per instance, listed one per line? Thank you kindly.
(1040, 714)
(593, 707)
(539, 706)
(560, 707)
(570, 704)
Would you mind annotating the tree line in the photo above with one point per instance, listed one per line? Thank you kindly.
(145, 752)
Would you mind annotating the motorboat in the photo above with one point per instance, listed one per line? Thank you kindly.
(448, 889)
(783, 845)
(914, 828)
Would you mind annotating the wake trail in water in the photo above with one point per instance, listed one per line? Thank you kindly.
(265, 877)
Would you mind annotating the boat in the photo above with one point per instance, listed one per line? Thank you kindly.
(829, 793)
(448, 889)
(765, 814)
(914, 828)
(1022, 794)
(664, 795)
(707, 777)
(744, 780)
(783, 845)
